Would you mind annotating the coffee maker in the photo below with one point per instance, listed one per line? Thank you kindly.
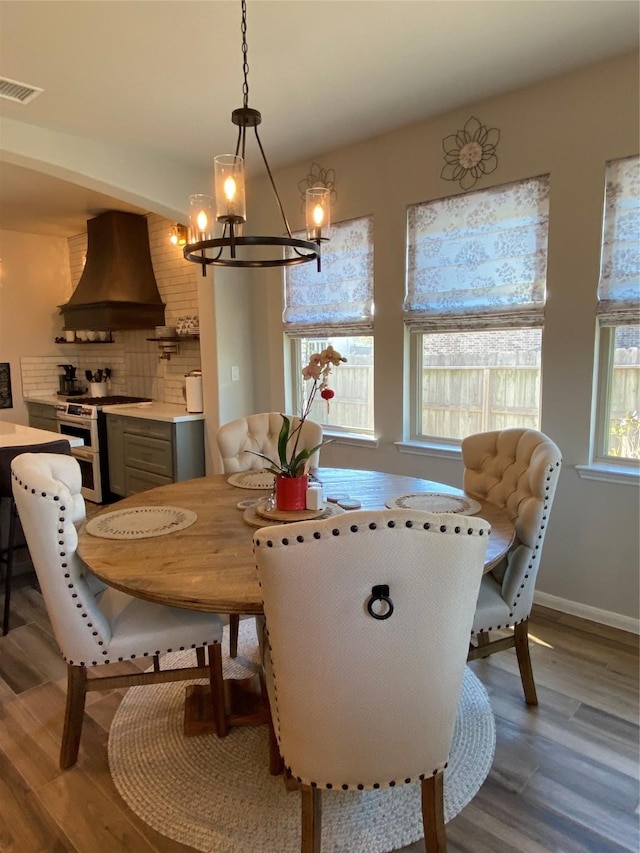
(68, 382)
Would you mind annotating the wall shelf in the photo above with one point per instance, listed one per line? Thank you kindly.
(170, 345)
(177, 338)
(78, 341)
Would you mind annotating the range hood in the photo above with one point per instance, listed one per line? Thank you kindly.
(117, 289)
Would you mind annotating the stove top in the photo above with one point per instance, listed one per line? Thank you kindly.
(113, 400)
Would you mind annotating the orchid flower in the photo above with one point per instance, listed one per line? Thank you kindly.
(318, 369)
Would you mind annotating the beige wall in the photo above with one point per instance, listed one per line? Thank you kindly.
(34, 280)
(567, 127)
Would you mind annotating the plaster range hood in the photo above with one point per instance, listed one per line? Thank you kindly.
(117, 289)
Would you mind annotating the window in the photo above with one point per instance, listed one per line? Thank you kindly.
(476, 283)
(335, 307)
(618, 406)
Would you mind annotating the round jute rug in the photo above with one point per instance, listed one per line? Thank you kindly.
(217, 795)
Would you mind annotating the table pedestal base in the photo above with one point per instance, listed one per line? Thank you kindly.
(244, 706)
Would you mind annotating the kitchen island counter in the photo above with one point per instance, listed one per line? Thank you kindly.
(18, 435)
(168, 412)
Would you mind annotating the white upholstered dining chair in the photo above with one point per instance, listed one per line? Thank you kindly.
(14, 539)
(367, 619)
(259, 433)
(94, 624)
(517, 470)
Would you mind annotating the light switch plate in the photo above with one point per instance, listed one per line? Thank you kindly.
(235, 373)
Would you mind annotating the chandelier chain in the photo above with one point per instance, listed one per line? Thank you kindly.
(245, 56)
(299, 251)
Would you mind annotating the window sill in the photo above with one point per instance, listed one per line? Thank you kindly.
(628, 476)
(354, 438)
(422, 448)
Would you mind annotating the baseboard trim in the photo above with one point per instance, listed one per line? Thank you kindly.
(585, 611)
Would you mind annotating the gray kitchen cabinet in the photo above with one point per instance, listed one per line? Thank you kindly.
(115, 450)
(42, 416)
(137, 480)
(148, 453)
(154, 455)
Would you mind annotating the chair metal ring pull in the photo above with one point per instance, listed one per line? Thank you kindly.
(380, 593)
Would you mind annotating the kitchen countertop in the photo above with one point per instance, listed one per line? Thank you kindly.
(17, 435)
(154, 412)
(170, 412)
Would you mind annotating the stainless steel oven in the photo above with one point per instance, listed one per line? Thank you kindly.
(79, 421)
(82, 417)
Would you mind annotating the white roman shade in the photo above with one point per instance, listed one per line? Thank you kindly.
(339, 299)
(619, 285)
(479, 260)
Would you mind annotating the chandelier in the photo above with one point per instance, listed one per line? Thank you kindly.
(229, 208)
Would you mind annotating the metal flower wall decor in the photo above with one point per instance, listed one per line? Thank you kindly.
(318, 177)
(470, 153)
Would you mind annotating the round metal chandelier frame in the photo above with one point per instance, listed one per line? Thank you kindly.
(195, 252)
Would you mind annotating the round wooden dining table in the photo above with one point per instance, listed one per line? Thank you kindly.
(210, 565)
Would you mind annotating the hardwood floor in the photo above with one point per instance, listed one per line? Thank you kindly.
(565, 775)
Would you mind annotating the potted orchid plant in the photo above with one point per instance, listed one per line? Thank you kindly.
(293, 464)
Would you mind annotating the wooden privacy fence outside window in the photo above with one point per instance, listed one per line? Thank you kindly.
(497, 395)
(494, 398)
(352, 406)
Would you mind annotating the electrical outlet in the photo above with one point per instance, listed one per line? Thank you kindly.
(235, 373)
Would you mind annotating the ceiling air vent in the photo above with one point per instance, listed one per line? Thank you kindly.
(20, 93)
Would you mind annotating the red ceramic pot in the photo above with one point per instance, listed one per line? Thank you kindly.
(291, 492)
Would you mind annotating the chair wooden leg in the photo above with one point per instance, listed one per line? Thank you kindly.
(73, 716)
(9, 568)
(483, 638)
(200, 656)
(234, 627)
(311, 819)
(276, 763)
(216, 684)
(521, 639)
(7, 594)
(435, 837)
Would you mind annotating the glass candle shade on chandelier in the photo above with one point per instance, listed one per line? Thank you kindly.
(228, 209)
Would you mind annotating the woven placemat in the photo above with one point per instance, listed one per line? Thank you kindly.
(256, 478)
(141, 522)
(435, 502)
(216, 794)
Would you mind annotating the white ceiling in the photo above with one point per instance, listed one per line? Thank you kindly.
(165, 75)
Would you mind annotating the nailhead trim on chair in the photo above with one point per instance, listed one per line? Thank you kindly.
(536, 549)
(269, 543)
(375, 785)
(519, 619)
(352, 529)
(80, 605)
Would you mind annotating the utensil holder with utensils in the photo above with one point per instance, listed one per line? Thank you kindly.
(98, 381)
(98, 389)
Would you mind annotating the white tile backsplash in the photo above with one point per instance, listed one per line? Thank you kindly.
(136, 366)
